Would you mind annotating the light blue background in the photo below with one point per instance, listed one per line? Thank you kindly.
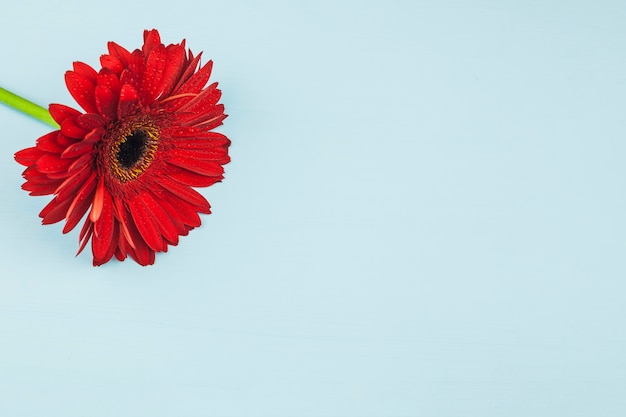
(424, 216)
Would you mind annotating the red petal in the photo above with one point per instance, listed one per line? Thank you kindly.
(209, 120)
(128, 100)
(28, 156)
(142, 254)
(78, 149)
(153, 74)
(62, 175)
(95, 135)
(186, 193)
(90, 121)
(174, 216)
(50, 163)
(31, 174)
(54, 211)
(98, 202)
(173, 69)
(71, 185)
(120, 250)
(197, 80)
(201, 137)
(168, 230)
(106, 102)
(60, 112)
(119, 52)
(107, 78)
(103, 237)
(81, 202)
(82, 89)
(85, 70)
(65, 140)
(151, 40)
(84, 236)
(114, 243)
(81, 163)
(199, 166)
(203, 101)
(48, 208)
(39, 189)
(146, 227)
(190, 69)
(188, 214)
(71, 129)
(209, 144)
(111, 63)
(215, 154)
(108, 93)
(191, 178)
(122, 218)
(136, 70)
(49, 143)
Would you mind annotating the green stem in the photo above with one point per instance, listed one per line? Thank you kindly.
(27, 107)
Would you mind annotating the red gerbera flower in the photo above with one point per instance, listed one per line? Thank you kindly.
(133, 157)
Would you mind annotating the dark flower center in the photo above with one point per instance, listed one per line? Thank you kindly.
(132, 149)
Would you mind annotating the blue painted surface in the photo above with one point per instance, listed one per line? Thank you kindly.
(424, 216)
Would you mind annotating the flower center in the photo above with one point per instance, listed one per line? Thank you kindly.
(133, 150)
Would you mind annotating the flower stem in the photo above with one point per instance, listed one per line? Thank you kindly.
(27, 107)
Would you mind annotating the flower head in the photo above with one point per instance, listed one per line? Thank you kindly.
(129, 162)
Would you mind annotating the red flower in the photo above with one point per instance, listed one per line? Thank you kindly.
(133, 157)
